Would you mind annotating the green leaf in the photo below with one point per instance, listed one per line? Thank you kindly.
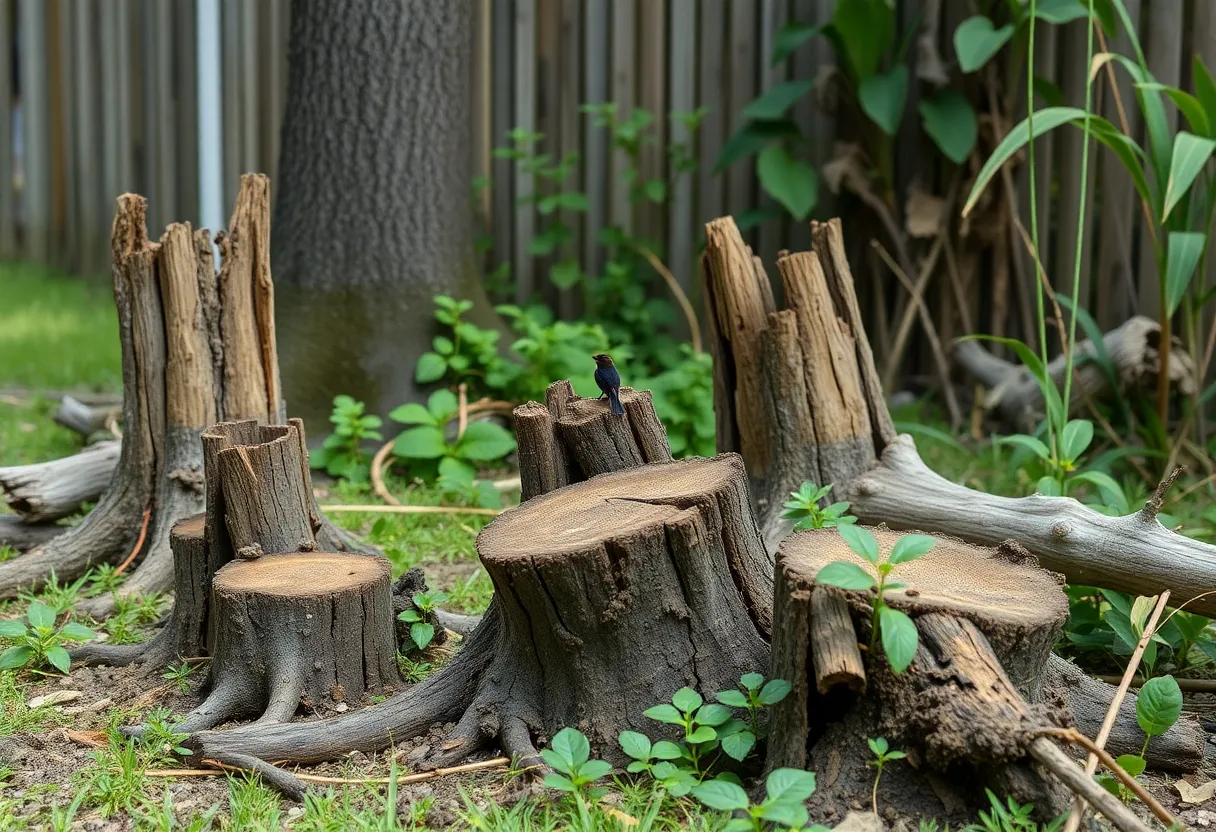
(1030, 443)
(860, 541)
(1060, 11)
(40, 615)
(571, 746)
(424, 442)
(1183, 253)
(1076, 437)
(421, 633)
(431, 367)
(565, 274)
(789, 784)
(1141, 608)
(1159, 705)
(1191, 153)
(1048, 486)
(557, 781)
(949, 120)
(713, 714)
(751, 138)
(976, 41)
(790, 37)
(1121, 624)
(721, 795)
(442, 345)
(59, 658)
(664, 750)
(485, 441)
(635, 745)
(412, 414)
(409, 615)
(778, 98)
(1133, 764)
(866, 30)
(443, 405)
(457, 472)
(16, 629)
(910, 547)
(594, 770)
(792, 182)
(878, 745)
(737, 746)
(1188, 105)
(774, 692)
(13, 657)
(899, 638)
(785, 813)
(686, 699)
(1111, 491)
(753, 681)
(734, 698)
(75, 631)
(702, 734)
(664, 713)
(883, 98)
(845, 575)
(1205, 88)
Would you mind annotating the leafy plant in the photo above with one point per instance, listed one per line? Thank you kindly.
(785, 790)
(466, 354)
(803, 508)
(569, 755)
(1158, 707)
(658, 759)
(342, 453)
(1011, 816)
(160, 740)
(684, 402)
(482, 441)
(179, 675)
(422, 630)
(883, 754)
(37, 642)
(699, 721)
(754, 694)
(104, 578)
(899, 636)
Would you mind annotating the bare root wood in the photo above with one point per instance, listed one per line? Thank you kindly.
(86, 419)
(51, 490)
(833, 644)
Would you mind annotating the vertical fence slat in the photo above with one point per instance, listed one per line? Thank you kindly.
(1204, 31)
(1116, 276)
(595, 168)
(8, 240)
(570, 122)
(36, 132)
(249, 87)
(741, 177)
(773, 15)
(159, 153)
(1044, 147)
(547, 72)
(230, 57)
(185, 100)
(480, 109)
(273, 77)
(525, 119)
(1071, 146)
(711, 82)
(503, 120)
(806, 115)
(1162, 38)
(624, 29)
(682, 71)
(87, 177)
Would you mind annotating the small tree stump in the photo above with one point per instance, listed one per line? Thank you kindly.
(297, 628)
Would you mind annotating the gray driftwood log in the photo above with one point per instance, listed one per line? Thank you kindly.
(50, 490)
(17, 534)
(86, 419)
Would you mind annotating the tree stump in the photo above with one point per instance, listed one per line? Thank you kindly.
(610, 595)
(309, 628)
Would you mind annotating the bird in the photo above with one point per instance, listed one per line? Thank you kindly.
(609, 381)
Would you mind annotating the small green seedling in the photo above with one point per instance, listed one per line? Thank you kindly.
(342, 454)
(39, 643)
(882, 755)
(569, 756)
(1157, 709)
(159, 739)
(105, 578)
(422, 631)
(756, 694)
(179, 675)
(1011, 816)
(803, 508)
(658, 760)
(702, 724)
(785, 790)
(899, 636)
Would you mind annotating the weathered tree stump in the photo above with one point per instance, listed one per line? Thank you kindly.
(609, 595)
(291, 629)
(569, 438)
(50, 490)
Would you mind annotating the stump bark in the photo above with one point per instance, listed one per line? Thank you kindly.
(610, 594)
(824, 419)
(50, 490)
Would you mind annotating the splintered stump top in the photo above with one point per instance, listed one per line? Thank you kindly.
(1002, 590)
(301, 575)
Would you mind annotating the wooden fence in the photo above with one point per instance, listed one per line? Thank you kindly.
(107, 102)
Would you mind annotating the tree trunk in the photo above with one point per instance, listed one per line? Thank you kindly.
(51, 490)
(825, 420)
(373, 217)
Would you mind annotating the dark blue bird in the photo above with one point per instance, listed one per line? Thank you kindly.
(609, 381)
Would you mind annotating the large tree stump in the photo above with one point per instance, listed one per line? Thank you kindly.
(51, 490)
(824, 419)
(609, 595)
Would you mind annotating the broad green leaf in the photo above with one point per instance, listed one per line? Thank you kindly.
(753, 137)
(12, 629)
(59, 658)
(713, 714)
(792, 182)
(664, 750)
(557, 781)
(899, 638)
(1111, 491)
(1188, 105)
(1142, 607)
(791, 36)
(883, 98)
(721, 795)
(443, 405)
(1030, 443)
(788, 814)
(778, 98)
(702, 734)
(13, 657)
(789, 784)
(910, 547)
(40, 615)
(860, 541)
(565, 274)
(484, 441)
(774, 691)
(844, 575)
(1060, 11)
(75, 631)
(412, 414)
(572, 746)
(733, 698)
(878, 745)
(456, 472)
(431, 367)
(594, 769)
(1077, 436)
(976, 41)
(866, 30)
(1122, 625)
(1183, 253)
(635, 745)
(686, 699)
(737, 746)
(422, 633)
(1048, 486)
(664, 713)
(753, 681)
(1205, 88)
(950, 121)
(424, 442)
(1133, 764)
(1121, 601)
(1158, 705)
(1191, 153)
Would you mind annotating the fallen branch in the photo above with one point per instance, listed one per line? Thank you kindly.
(498, 763)
(87, 420)
(1065, 768)
(484, 512)
(1186, 685)
(50, 490)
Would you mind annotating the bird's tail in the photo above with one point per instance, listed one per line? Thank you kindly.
(614, 401)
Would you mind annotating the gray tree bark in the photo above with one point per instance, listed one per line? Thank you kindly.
(372, 214)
